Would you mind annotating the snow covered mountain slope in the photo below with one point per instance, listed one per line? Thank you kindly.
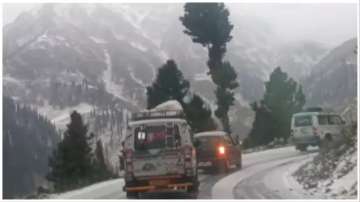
(333, 81)
(82, 40)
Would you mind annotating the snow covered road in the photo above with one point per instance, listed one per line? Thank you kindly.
(265, 174)
(111, 189)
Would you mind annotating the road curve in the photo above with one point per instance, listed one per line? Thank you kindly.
(236, 184)
(249, 183)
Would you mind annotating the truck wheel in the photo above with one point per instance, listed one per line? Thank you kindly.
(326, 143)
(193, 191)
(193, 194)
(132, 195)
(223, 166)
(301, 147)
(239, 164)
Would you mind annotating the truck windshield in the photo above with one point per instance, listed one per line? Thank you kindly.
(303, 121)
(156, 137)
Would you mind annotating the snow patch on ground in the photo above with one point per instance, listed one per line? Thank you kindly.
(137, 80)
(97, 40)
(332, 173)
(202, 77)
(7, 79)
(110, 86)
(61, 117)
(94, 191)
(138, 46)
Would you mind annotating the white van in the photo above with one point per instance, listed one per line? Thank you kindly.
(315, 127)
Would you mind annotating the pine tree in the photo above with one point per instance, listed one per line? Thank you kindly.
(99, 154)
(208, 24)
(199, 115)
(101, 171)
(71, 163)
(260, 133)
(171, 85)
(283, 97)
(168, 85)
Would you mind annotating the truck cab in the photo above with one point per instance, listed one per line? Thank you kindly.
(159, 155)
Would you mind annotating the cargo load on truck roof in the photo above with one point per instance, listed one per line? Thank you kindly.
(168, 109)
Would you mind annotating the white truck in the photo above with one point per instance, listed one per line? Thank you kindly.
(159, 155)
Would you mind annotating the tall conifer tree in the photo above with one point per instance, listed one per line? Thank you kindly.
(208, 24)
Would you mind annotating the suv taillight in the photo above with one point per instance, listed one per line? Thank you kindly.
(221, 150)
(315, 131)
(188, 160)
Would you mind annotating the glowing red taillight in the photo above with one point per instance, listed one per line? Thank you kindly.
(221, 150)
(188, 160)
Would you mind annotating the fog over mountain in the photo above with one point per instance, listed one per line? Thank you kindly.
(290, 21)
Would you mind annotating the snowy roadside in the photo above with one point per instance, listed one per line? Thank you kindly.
(281, 181)
(332, 174)
(254, 164)
(277, 143)
(94, 191)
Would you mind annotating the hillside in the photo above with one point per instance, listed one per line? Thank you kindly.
(28, 141)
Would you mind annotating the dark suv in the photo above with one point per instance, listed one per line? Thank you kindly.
(216, 149)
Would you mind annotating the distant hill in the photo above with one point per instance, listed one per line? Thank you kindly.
(333, 81)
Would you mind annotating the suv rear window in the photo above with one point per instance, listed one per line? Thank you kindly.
(303, 121)
(156, 137)
(210, 141)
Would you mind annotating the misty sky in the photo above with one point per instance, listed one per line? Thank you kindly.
(330, 23)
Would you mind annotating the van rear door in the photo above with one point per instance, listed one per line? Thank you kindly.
(157, 151)
(303, 126)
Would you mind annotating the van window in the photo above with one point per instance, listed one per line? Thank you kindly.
(210, 141)
(156, 137)
(329, 120)
(323, 119)
(305, 120)
(334, 120)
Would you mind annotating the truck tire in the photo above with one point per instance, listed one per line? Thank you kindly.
(301, 147)
(132, 195)
(223, 166)
(194, 190)
(239, 164)
(326, 143)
